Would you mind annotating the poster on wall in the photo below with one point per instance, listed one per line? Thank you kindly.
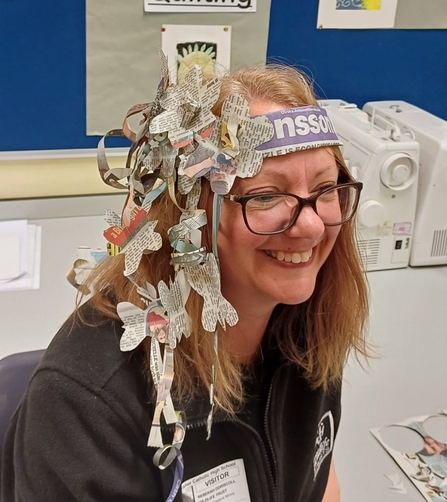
(188, 45)
(239, 6)
(123, 64)
(367, 14)
(356, 14)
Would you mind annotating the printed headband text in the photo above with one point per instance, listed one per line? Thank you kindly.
(299, 128)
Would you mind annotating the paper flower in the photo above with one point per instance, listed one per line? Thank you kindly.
(187, 109)
(229, 151)
(240, 135)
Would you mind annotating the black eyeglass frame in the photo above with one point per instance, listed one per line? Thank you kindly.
(302, 202)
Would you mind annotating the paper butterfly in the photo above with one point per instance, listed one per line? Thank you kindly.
(134, 323)
(205, 279)
(173, 299)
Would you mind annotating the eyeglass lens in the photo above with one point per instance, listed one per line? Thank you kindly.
(273, 213)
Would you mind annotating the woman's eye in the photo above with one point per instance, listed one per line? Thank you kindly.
(265, 198)
(265, 201)
(322, 188)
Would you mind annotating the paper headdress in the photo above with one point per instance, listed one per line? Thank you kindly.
(179, 140)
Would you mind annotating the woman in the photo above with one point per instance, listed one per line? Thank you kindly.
(260, 399)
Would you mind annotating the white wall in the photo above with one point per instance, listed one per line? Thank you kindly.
(29, 319)
(409, 327)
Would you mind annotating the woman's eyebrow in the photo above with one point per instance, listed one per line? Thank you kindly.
(274, 173)
(331, 169)
(327, 170)
(270, 178)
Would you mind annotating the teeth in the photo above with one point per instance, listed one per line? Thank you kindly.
(291, 257)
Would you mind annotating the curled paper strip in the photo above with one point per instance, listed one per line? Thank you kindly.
(177, 441)
(189, 259)
(163, 381)
(157, 371)
(178, 233)
(167, 454)
(209, 420)
(87, 260)
(111, 177)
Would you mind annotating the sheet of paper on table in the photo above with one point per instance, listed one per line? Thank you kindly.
(20, 248)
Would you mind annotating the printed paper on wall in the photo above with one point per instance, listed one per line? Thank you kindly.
(122, 41)
(193, 6)
(400, 14)
(356, 14)
(187, 45)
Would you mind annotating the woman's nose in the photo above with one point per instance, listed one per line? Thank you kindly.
(308, 224)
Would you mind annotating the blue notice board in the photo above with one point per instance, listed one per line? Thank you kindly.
(43, 84)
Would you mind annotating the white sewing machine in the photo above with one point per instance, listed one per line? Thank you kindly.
(430, 230)
(387, 163)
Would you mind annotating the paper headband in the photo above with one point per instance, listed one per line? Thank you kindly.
(297, 129)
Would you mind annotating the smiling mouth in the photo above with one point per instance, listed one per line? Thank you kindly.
(290, 257)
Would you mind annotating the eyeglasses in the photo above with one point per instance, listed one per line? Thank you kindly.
(272, 213)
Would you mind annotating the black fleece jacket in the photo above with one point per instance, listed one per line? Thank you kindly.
(80, 433)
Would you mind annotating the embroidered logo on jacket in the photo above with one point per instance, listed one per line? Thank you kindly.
(324, 441)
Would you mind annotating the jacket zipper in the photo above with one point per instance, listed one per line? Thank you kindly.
(266, 430)
(261, 442)
(272, 476)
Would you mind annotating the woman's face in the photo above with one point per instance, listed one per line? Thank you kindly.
(260, 271)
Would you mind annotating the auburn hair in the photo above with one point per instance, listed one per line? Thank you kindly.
(316, 335)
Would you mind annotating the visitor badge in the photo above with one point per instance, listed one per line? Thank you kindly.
(225, 482)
